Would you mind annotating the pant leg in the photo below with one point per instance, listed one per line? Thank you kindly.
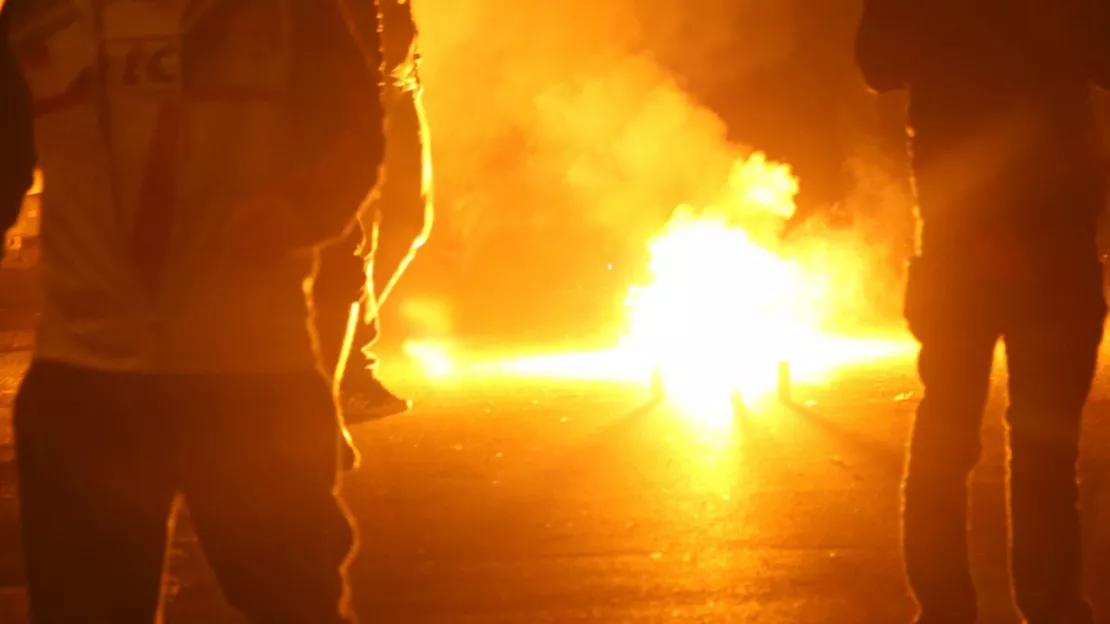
(96, 494)
(957, 347)
(1052, 359)
(340, 281)
(366, 334)
(262, 491)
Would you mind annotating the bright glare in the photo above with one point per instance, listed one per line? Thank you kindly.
(609, 365)
(433, 358)
(725, 307)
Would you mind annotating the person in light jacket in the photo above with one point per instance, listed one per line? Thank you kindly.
(196, 154)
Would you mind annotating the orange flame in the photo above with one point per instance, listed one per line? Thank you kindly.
(725, 306)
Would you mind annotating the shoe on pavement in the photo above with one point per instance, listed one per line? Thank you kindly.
(365, 398)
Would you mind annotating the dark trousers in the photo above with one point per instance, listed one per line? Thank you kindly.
(341, 280)
(102, 457)
(1051, 328)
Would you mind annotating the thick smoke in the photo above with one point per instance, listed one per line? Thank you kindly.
(565, 135)
(559, 112)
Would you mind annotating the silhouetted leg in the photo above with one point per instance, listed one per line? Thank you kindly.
(364, 397)
(95, 497)
(953, 321)
(340, 281)
(1052, 365)
(955, 367)
(362, 357)
(262, 491)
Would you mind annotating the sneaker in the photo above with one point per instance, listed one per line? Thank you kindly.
(366, 399)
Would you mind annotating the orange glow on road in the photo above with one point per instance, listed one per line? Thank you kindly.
(437, 361)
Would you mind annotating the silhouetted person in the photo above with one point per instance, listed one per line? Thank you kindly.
(393, 226)
(17, 154)
(1008, 171)
(195, 154)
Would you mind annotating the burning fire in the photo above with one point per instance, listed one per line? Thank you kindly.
(578, 123)
(726, 304)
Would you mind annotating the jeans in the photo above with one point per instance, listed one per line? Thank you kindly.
(1051, 328)
(102, 457)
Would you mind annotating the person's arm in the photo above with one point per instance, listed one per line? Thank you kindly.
(17, 150)
(339, 124)
(336, 137)
(886, 44)
(404, 208)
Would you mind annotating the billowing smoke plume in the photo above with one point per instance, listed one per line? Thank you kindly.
(564, 137)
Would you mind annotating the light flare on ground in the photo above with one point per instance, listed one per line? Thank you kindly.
(437, 361)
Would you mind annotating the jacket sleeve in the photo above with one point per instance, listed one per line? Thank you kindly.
(17, 152)
(338, 120)
(885, 44)
(1093, 40)
(403, 212)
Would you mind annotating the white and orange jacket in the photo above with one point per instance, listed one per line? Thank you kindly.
(153, 121)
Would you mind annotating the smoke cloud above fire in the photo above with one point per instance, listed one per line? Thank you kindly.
(561, 111)
(563, 136)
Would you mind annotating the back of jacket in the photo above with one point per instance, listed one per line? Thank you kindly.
(1002, 133)
(154, 122)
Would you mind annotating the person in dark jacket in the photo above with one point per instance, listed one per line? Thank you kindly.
(17, 153)
(1010, 188)
(364, 267)
(195, 157)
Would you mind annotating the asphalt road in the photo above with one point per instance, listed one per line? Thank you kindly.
(525, 500)
(530, 500)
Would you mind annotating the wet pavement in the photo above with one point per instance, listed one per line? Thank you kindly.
(524, 500)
